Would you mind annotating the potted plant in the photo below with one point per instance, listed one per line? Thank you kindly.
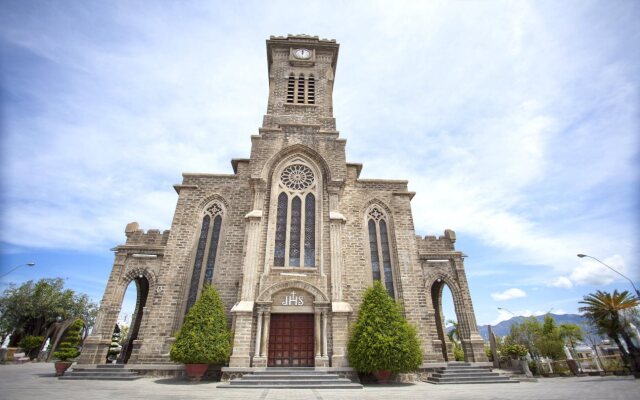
(68, 348)
(204, 338)
(114, 348)
(383, 342)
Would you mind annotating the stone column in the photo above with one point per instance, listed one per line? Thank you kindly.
(256, 350)
(244, 308)
(264, 348)
(324, 333)
(316, 331)
(472, 342)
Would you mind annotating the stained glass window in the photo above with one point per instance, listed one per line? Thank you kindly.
(386, 258)
(310, 230)
(373, 244)
(213, 249)
(281, 230)
(296, 223)
(197, 267)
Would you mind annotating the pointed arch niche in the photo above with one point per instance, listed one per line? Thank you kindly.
(295, 215)
(206, 250)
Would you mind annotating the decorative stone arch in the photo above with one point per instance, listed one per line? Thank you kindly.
(209, 200)
(267, 294)
(287, 153)
(434, 283)
(393, 248)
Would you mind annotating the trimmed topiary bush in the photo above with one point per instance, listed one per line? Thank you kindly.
(68, 348)
(205, 337)
(382, 339)
(30, 345)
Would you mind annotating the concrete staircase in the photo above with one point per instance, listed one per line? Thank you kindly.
(465, 373)
(105, 372)
(291, 378)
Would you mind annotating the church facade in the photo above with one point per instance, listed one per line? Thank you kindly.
(291, 240)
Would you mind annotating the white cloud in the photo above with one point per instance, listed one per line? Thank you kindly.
(562, 282)
(513, 293)
(591, 272)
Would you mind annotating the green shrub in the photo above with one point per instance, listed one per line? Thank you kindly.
(488, 352)
(30, 345)
(458, 353)
(533, 367)
(68, 348)
(204, 338)
(515, 350)
(382, 339)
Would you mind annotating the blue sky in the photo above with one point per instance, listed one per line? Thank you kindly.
(517, 124)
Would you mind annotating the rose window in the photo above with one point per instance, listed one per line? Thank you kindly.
(297, 177)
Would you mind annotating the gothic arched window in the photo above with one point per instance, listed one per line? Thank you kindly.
(295, 236)
(379, 247)
(206, 251)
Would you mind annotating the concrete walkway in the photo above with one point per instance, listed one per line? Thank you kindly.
(36, 381)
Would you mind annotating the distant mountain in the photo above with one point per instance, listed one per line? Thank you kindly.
(504, 327)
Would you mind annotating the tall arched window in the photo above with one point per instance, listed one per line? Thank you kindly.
(295, 236)
(379, 248)
(206, 251)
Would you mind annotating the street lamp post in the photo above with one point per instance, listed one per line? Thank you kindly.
(617, 272)
(29, 264)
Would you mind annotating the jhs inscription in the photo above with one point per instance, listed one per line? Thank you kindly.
(293, 300)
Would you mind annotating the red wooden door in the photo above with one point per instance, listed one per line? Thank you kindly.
(291, 340)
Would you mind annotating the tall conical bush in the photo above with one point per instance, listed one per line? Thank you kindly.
(382, 339)
(68, 348)
(205, 337)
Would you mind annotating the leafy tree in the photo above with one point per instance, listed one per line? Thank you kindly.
(205, 337)
(549, 343)
(31, 308)
(454, 337)
(69, 347)
(525, 334)
(571, 334)
(607, 312)
(382, 339)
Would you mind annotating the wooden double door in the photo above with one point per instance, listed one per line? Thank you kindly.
(291, 342)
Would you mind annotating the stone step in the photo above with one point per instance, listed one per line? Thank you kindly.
(488, 381)
(290, 372)
(464, 375)
(288, 382)
(290, 377)
(463, 369)
(105, 372)
(468, 379)
(99, 378)
(293, 386)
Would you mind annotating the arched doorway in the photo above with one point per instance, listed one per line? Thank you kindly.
(141, 285)
(446, 321)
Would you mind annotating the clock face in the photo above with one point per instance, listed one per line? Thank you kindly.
(302, 54)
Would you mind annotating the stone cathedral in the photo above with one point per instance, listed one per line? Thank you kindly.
(291, 240)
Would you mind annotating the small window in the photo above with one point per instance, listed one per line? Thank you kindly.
(301, 89)
(311, 90)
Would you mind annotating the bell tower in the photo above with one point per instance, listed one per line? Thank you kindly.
(301, 76)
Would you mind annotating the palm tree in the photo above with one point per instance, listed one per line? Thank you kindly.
(606, 311)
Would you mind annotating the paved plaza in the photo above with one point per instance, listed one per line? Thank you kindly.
(37, 381)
